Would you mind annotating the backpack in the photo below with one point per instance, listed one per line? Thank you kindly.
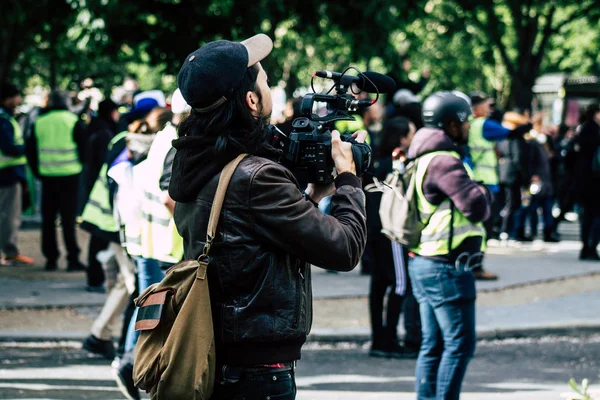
(398, 210)
(175, 352)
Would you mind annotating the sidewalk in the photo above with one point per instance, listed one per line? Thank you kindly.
(542, 289)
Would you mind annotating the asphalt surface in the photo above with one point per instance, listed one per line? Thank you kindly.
(528, 369)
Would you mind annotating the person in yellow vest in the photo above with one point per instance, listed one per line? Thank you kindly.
(56, 152)
(108, 216)
(150, 234)
(483, 134)
(97, 214)
(453, 205)
(12, 176)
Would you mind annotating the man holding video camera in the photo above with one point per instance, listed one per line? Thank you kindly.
(269, 231)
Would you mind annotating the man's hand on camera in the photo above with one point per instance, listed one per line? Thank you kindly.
(341, 152)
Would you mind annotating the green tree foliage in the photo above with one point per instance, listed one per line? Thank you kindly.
(32, 34)
(521, 32)
(497, 46)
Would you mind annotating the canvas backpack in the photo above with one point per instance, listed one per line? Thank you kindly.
(175, 352)
(398, 210)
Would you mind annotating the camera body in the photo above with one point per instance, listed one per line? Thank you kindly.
(306, 151)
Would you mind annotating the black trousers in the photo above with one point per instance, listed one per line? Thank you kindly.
(95, 273)
(59, 196)
(383, 283)
(491, 223)
(254, 383)
(590, 222)
(512, 203)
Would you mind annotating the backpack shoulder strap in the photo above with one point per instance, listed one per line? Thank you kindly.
(217, 204)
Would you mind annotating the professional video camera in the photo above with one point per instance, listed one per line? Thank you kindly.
(306, 151)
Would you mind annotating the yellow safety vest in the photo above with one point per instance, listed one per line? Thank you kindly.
(97, 210)
(11, 161)
(435, 237)
(57, 151)
(483, 155)
(159, 237)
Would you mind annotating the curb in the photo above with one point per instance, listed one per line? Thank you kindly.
(353, 335)
(99, 304)
(483, 334)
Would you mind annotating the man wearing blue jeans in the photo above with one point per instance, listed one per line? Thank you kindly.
(452, 206)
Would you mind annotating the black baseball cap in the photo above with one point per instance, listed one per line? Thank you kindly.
(8, 90)
(477, 98)
(211, 74)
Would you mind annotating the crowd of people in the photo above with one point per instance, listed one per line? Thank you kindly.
(141, 177)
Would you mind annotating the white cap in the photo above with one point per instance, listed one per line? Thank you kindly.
(157, 95)
(403, 97)
(178, 104)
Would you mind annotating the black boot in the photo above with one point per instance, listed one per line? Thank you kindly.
(585, 251)
(385, 342)
(550, 236)
(589, 253)
(101, 347)
(593, 254)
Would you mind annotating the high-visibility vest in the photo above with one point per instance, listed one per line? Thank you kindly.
(159, 236)
(98, 210)
(435, 237)
(483, 155)
(57, 151)
(11, 161)
(129, 191)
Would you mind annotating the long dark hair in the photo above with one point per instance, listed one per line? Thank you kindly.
(393, 130)
(232, 124)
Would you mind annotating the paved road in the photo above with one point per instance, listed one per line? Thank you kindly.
(515, 369)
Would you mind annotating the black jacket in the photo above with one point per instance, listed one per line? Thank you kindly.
(267, 237)
(512, 161)
(586, 181)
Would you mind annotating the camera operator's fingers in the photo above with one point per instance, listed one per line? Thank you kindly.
(335, 135)
(341, 152)
(360, 136)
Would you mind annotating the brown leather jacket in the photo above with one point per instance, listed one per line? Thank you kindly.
(267, 237)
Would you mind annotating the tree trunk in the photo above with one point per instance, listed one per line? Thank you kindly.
(6, 51)
(52, 60)
(521, 90)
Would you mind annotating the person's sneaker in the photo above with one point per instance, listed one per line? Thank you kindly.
(124, 378)
(20, 259)
(51, 266)
(482, 275)
(95, 289)
(524, 238)
(76, 267)
(551, 237)
(379, 352)
(404, 352)
(4, 262)
(116, 362)
(104, 348)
